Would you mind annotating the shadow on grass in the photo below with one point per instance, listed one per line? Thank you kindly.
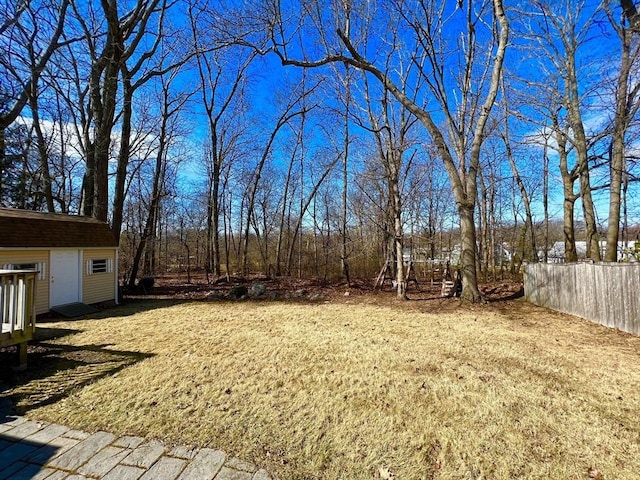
(54, 370)
(128, 308)
(496, 295)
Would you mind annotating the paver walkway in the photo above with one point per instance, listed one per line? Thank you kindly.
(32, 450)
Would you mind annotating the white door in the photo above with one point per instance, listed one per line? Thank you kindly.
(64, 277)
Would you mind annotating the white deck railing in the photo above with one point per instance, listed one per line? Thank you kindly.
(17, 306)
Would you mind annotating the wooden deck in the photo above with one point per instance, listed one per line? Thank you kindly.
(17, 310)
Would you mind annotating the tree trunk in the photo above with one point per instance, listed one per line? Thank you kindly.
(286, 210)
(615, 190)
(545, 197)
(572, 103)
(401, 285)
(226, 225)
(592, 237)
(42, 153)
(123, 156)
(103, 89)
(213, 217)
(282, 121)
(470, 290)
(215, 212)
(626, 106)
(568, 180)
(2, 162)
(570, 252)
(532, 254)
(344, 260)
(213, 208)
(154, 206)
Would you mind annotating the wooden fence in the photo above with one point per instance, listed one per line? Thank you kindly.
(606, 293)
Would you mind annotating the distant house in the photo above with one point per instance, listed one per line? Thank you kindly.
(77, 257)
(627, 251)
(501, 255)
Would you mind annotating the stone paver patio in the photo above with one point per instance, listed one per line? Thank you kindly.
(32, 450)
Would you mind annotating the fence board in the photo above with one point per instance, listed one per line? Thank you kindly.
(606, 293)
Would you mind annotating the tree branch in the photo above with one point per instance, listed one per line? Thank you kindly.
(631, 13)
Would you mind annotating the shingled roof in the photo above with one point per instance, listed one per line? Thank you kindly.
(24, 228)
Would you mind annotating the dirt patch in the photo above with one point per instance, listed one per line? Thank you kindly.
(288, 288)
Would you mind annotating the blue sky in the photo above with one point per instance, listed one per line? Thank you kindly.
(525, 58)
(268, 81)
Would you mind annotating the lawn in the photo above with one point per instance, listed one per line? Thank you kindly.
(328, 390)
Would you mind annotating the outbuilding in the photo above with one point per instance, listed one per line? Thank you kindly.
(76, 257)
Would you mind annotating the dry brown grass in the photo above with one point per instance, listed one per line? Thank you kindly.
(339, 390)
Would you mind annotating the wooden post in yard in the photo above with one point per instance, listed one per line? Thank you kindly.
(22, 357)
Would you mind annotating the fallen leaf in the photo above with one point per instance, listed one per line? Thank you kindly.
(385, 473)
(595, 474)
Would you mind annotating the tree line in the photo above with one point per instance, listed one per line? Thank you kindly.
(325, 137)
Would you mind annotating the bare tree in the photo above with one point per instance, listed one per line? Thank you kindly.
(322, 174)
(43, 152)
(569, 176)
(30, 33)
(109, 52)
(631, 13)
(171, 106)
(346, 82)
(165, 53)
(627, 104)
(295, 107)
(288, 193)
(561, 30)
(391, 132)
(465, 117)
(506, 138)
(222, 77)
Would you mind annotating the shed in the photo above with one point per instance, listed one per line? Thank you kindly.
(76, 257)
